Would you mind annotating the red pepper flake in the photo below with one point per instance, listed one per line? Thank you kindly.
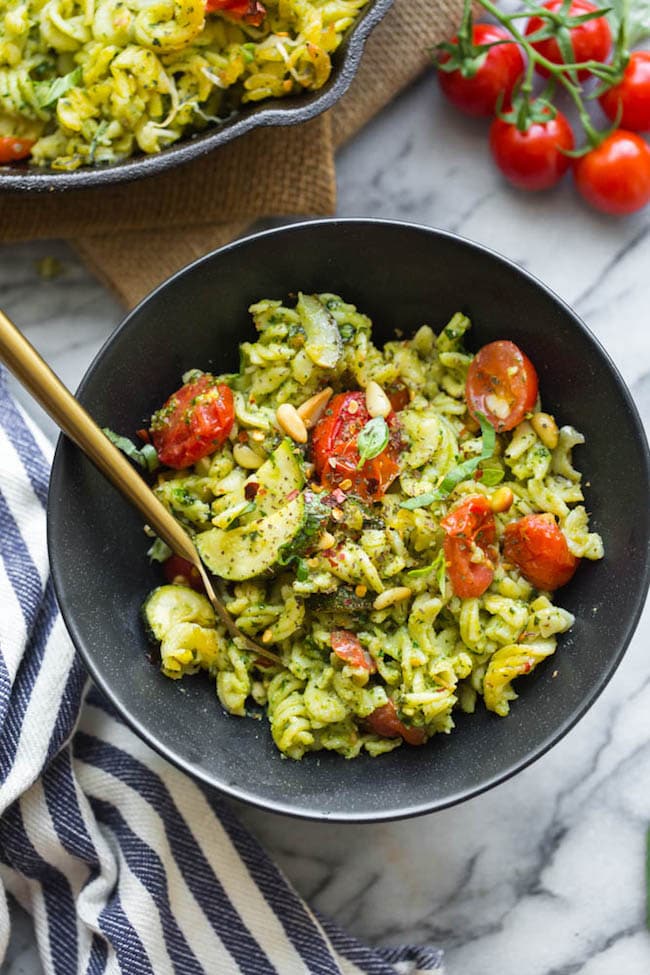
(250, 490)
(242, 436)
(293, 494)
(144, 435)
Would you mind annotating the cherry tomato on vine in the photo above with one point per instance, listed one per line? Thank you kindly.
(336, 454)
(501, 384)
(347, 647)
(12, 149)
(497, 74)
(591, 41)
(469, 527)
(615, 176)
(632, 94)
(539, 549)
(385, 722)
(193, 423)
(532, 160)
(250, 11)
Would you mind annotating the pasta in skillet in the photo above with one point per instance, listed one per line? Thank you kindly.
(391, 523)
(86, 82)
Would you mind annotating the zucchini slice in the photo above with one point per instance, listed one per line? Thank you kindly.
(245, 552)
(168, 605)
(273, 482)
(323, 345)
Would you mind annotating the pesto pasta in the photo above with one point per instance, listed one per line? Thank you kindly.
(390, 522)
(85, 82)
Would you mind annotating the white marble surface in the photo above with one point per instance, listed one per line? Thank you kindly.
(545, 874)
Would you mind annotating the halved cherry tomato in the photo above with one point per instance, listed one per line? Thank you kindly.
(335, 451)
(591, 40)
(347, 646)
(12, 149)
(250, 11)
(399, 397)
(469, 527)
(384, 721)
(632, 95)
(181, 572)
(193, 423)
(498, 71)
(501, 384)
(539, 550)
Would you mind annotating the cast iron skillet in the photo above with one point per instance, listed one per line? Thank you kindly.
(277, 111)
(401, 275)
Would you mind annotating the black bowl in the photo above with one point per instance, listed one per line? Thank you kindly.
(276, 111)
(402, 276)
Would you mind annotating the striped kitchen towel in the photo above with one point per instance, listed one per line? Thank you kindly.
(125, 864)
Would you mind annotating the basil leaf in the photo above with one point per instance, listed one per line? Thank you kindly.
(457, 474)
(438, 566)
(145, 457)
(48, 92)
(159, 551)
(372, 440)
(491, 474)
(302, 571)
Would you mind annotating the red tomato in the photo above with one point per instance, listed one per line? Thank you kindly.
(592, 41)
(12, 148)
(179, 571)
(335, 451)
(250, 11)
(347, 646)
(384, 721)
(532, 160)
(399, 397)
(632, 94)
(193, 423)
(539, 550)
(497, 75)
(615, 177)
(469, 526)
(501, 384)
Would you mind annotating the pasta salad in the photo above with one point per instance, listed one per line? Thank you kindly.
(392, 522)
(85, 82)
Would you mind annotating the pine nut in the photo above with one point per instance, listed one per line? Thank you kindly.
(502, 499)
(313, 408)
(391, 596)
(257, 435)
(267, 636)
(292, 424)
(376, 400)
(546, 429)
(246, 457)
(326, 540)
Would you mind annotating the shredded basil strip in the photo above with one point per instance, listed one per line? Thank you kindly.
(48, 92)
(437, 566)
(159, 551)
(145, 456)
(372, 440)
(457, 474)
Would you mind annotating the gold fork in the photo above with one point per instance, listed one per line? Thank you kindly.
(47, 389)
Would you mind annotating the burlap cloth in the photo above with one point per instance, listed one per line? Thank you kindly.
(134, 235)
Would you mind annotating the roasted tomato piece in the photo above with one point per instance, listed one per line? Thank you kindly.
(193, 423)
(470, 531)
(384, 721)
(501, 384)
(336, 454)
(12, 149)
(180, 572)
(250, 11)
(399, 397)
(347, 647)
(539, 549)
